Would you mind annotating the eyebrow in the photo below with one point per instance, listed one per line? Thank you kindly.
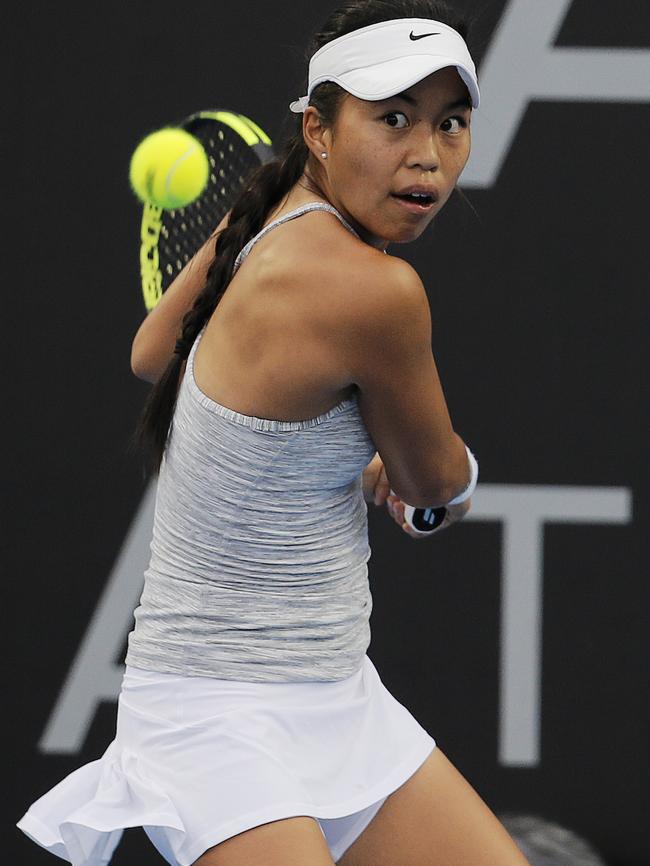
(463, 102)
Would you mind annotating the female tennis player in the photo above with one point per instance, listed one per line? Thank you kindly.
(294, 383)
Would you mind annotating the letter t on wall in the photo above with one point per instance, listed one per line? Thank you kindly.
(523, 510)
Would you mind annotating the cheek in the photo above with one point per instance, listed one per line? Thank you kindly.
(460, 155)
(364, 166)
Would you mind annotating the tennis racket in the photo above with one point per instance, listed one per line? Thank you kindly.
(235, 147)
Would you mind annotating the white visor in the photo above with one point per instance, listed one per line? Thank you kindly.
(384, 59)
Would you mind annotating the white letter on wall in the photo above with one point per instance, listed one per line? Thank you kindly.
(524, 510)
(522, 64)
(94, 676)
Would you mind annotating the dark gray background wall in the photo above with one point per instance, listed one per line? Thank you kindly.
(538, 301)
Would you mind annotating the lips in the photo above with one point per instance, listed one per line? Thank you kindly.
(419, 194)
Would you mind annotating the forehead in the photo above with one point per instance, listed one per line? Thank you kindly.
(446, 84)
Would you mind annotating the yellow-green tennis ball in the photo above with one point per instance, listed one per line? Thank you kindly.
(169, 168)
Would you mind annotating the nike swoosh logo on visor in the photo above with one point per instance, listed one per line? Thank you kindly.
(413, 37)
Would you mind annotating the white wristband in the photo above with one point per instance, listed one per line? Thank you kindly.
(467, 492)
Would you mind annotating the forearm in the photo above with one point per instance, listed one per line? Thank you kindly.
(154, 342)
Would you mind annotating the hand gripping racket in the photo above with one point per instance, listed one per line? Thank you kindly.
(235, 147)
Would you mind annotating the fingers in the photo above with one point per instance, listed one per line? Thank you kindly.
(382, 487)
(395, 508)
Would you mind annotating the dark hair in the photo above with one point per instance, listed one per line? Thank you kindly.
(264, 188)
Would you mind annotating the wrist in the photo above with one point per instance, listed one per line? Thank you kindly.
(465, 494)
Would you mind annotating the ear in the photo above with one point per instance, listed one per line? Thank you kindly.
(317, 137)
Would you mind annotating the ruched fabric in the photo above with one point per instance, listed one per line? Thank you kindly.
(259, 554)
(196, 760)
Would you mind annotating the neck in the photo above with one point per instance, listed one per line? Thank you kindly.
(309, 189)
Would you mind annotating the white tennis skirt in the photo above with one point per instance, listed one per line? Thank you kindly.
(196, 760)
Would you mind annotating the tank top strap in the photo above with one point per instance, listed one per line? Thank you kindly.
(299, 211)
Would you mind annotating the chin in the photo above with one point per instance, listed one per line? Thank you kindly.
(407, 234)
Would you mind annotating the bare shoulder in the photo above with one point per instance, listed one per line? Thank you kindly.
(350, 294)
(386, 290)
(384, 310)
(360, 280)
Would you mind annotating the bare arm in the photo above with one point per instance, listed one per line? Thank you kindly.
(387, 327)
(153, 344)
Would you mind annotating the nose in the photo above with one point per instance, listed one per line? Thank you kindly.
(423, 148)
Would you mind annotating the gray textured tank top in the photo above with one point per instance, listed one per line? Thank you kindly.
(258, 568)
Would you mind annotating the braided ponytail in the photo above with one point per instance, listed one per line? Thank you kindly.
(265, 187)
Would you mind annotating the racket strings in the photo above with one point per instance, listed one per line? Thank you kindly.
(183, 231)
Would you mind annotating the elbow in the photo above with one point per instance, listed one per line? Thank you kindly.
(146, 375)
(140, 369)
(136, 359)
(136, 364)
(143, 363)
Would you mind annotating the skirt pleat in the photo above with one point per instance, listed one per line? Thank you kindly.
(196, 760)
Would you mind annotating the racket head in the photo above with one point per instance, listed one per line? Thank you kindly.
(235, 146)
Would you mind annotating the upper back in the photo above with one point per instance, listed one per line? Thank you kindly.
(268, 348)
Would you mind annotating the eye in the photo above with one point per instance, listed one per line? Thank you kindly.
(393, 116)
(460, 124)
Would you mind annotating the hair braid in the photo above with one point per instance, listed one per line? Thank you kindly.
(264, 188)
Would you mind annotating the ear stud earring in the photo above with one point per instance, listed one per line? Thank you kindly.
(324, 154)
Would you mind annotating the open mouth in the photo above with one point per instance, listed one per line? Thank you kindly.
(421, 200)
